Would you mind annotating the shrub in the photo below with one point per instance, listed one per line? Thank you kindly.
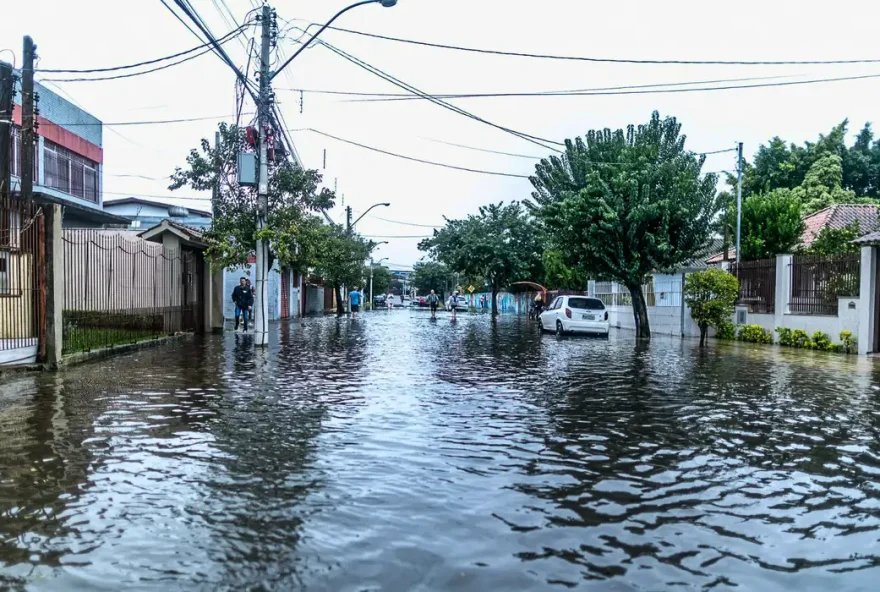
(710, 294)
(725, 330)
(755, 334)
(836, 348)
(821, 341)
(848, 344)
(800, 339)
(785, 337)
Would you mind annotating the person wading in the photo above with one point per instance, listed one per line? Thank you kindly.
(355, 300)
(243, 297)
(433, 301)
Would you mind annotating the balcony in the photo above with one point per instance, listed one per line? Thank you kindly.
(63, 170)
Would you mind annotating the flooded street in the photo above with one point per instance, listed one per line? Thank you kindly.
(392, 453)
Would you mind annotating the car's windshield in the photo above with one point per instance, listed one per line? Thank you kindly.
(586, 303)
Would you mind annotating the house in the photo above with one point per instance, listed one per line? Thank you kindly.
(68, 163)
(144, 213)
(837, 216)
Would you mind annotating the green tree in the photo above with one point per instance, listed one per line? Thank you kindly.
(623, 204)
(771, 224)
(431, 275)
(710, 294)
(835, 241)
(341, 259)
(293, 193)
(500, 244)
(382, 279)
(823, 185)
(558, 275)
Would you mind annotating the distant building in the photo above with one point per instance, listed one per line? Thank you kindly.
(69, 159)
(145, 214)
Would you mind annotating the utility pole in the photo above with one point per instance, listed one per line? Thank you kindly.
(28, 132)
(261, 314)
(7, 87)
(371, 284)
(348, 219)
(739, 193)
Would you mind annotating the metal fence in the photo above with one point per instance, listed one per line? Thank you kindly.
(614, 294)
(757, 285)
(122, 289)
(22, 279)
(818, 281)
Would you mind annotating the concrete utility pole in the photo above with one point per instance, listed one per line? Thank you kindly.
(348, 219)
(7, 87)
(739, 194)
(28, 132)
(261, 312)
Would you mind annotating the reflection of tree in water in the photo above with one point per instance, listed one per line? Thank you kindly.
(265, 469)
(722, 445)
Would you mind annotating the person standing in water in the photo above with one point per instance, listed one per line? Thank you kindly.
(243, 297)
(354, 300)
(453, 303)
(433, 301)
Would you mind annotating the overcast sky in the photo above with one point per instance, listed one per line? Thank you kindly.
(104, 33)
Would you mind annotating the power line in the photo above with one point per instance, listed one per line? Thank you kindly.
(151, 122)
(139, 64)
(609, 60)
(183, 198)
(406, 223)
(413, 159)
(397, 236)
(150, 71)
(387, 77)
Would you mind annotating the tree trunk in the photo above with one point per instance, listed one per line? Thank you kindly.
(704, 330)
(640, 312)
(494, 300)
(340, 305)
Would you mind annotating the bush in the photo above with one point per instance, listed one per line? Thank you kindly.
(801, 339)
(755, 334)
(849, 344)
(725, 330)
(785, 337)
(821, 341)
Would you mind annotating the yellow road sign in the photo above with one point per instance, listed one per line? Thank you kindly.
(471, 289)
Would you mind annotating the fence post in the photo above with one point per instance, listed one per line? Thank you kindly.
(783, 288)
(867, 300)
(54, 285)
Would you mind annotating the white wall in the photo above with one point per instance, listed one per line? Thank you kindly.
(664, 320)
(847, 319)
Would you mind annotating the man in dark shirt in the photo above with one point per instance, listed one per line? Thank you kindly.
(243, 297)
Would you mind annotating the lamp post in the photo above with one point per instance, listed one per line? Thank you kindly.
(352, 224)
(371, 273)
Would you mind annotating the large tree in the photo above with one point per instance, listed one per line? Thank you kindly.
(382, 279)
(341, 259)
(500, 243)
(623, 204)
(771, 224)
(293, 193)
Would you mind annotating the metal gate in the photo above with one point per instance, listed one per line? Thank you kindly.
(193, 298)
(22, 282)
(285, 294)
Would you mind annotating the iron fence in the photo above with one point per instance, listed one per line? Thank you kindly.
(613, 294)
(121, 289)
(22, 280)
(818, 281)
(757, 285)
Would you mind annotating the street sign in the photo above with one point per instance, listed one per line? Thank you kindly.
(471, 289)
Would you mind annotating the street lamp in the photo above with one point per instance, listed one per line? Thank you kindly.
(384, 205)
(371, 270)
(385, 3)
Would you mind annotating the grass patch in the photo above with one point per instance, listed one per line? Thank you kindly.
(85, 339)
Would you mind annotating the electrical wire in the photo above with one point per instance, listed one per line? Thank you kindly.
(139, 64)
(14, 57)
(182, 198)
(153, 122)
(387, 77)
(397, 236)
(413, 159)
(405, 223)
(130, 75)
(609, 60)
(528, 156)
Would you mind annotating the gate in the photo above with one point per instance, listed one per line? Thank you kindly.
(193, 300)
(285, 294)
(22, 282)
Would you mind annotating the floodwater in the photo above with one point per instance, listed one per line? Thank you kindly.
(393, 453)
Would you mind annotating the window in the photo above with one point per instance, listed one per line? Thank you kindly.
(556, 303)
(70, 173)
(5, 287)
(586, 303)
(10, 230)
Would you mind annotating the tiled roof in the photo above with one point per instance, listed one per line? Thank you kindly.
(699, 262)
(836, 216)
(841, 216)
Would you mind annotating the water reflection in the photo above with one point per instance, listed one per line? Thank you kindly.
(391, 452)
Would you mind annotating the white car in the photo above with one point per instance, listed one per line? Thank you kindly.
(576, 314)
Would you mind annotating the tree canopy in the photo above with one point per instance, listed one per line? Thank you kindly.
(622, 204)
(383, 280)
(431, 275)
(293, 194)
(500, 243)
(835, 241)
(771, 224)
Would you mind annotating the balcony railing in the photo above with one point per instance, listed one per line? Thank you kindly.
(70, 176)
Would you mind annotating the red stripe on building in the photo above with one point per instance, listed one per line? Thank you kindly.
(64, 138)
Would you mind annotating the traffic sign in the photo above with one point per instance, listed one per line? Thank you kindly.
(471, 289)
